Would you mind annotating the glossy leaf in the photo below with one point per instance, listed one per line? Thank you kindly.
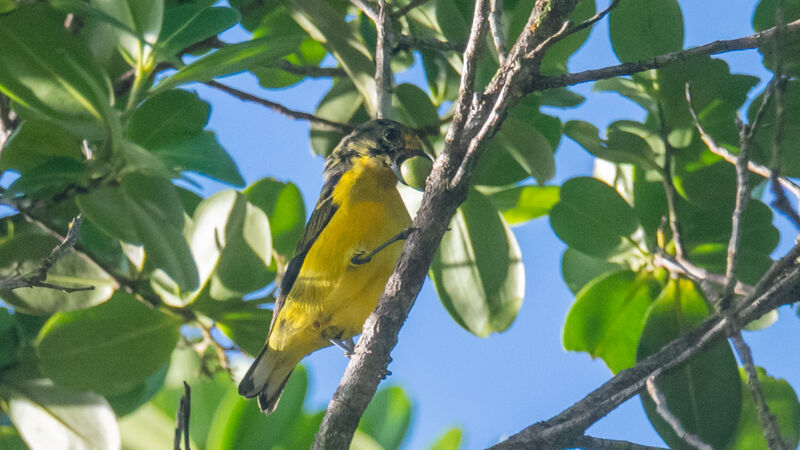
(145, 210)
(238, 423)
(643, 29)
(247, 326)
(144, 17)
(578, 269)
(283, 205)
(127, 402)
(783, 405)
(517, 151)
(592, 218)
(606, 319)
(35, 143)
(110, 348)
(25, 252)
(229, 60)
(387, 417)
(520, 204)
(327, 26)
(414, 108)
(620, 147)
(704, 394)
(189, 24)
(46, 417)
(478, 270)
(49, 76)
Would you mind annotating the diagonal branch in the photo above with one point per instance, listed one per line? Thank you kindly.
(277, 107)
(383, 69)
(540, 83)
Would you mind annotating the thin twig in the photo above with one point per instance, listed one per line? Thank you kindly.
(368, 9)
(594, 443)
(698, 274)
(591, 20)
(383, 69)
(277, 107)
(310, 71)
(540, 83)
(721, 151)
(6, 124)
(671, 195)
(404, 10)
(406, 41)
(496, 28)
(37, 277)
(675, 423)
(182, 419)
(769, 424)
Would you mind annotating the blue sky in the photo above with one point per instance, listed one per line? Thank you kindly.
(496, 386)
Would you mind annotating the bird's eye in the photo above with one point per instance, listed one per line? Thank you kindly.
(391, 135)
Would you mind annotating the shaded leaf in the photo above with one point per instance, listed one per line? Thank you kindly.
(643, 29)
(578, 269)
(478, 270)
(520, 204)
(387, 417)
(283, 205)
(143, 17)
(189, 24)
(110, 348)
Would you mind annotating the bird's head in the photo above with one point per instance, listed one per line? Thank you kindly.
(387, 141)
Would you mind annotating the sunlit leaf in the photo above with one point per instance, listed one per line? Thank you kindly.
(283, 205)
(387, 417)
(520, 204)
(643, 29)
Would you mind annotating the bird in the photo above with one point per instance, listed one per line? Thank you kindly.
(341, 264)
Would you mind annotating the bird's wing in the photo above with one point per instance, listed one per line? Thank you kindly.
(323, 211)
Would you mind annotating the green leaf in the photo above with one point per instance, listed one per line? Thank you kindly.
(10, 338)
(239, 424)
(630, 89)
(143, 17)
(387, 417)
(9, 438)
(325, 25)
(704, 394)
(763, 18)
(48, 416)
(110, 348)
(189, 24)
(128, 402)
(26, 251)
(201, 153)
(621, 146)
(231, 239)
(478, 270)
(414, 108)
(643, 29)
(48, 74)
(561, 98)
(246, 325)
(283, 205)
(145, 210)
(35, 143)
(516, 152)
(789, 160)
(578, 269)
(783, 404)
(450, 440)
(607, 317)
(229, 60)
(520, 204)
(342, 103)
(148, 428)
(592, 218)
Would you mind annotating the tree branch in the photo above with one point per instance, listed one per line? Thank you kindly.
(433, 44)
(593, 443)
(36, 278)
(383, 69)
(439, 203)
(675, 423)
(277, 107)
(559, 429)
(310, 71)
(404, 10)
(496, 27)
(540, 83)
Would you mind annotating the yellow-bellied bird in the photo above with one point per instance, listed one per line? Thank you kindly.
(344, 259)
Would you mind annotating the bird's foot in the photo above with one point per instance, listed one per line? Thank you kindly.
(347, 345)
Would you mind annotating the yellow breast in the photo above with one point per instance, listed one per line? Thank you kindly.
(331, 293)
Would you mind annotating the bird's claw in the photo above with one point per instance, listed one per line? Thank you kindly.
(358, 258)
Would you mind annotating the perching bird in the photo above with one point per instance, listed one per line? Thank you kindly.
(342, 263)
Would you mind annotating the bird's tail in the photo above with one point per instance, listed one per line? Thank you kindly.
(267, 377)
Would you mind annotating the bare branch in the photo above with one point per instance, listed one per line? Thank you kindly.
(277, 107)
(310, 71)
(769, 424)
(540, 83)
(383, 69)
(591, 20)
(496, 27)
(367, 8)
(662, 410)
(721, 151)
(593, 443)
(698, 274)
(182, 419)
(36, 278)
(629, 382)
(404, 10)
(433, 44)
